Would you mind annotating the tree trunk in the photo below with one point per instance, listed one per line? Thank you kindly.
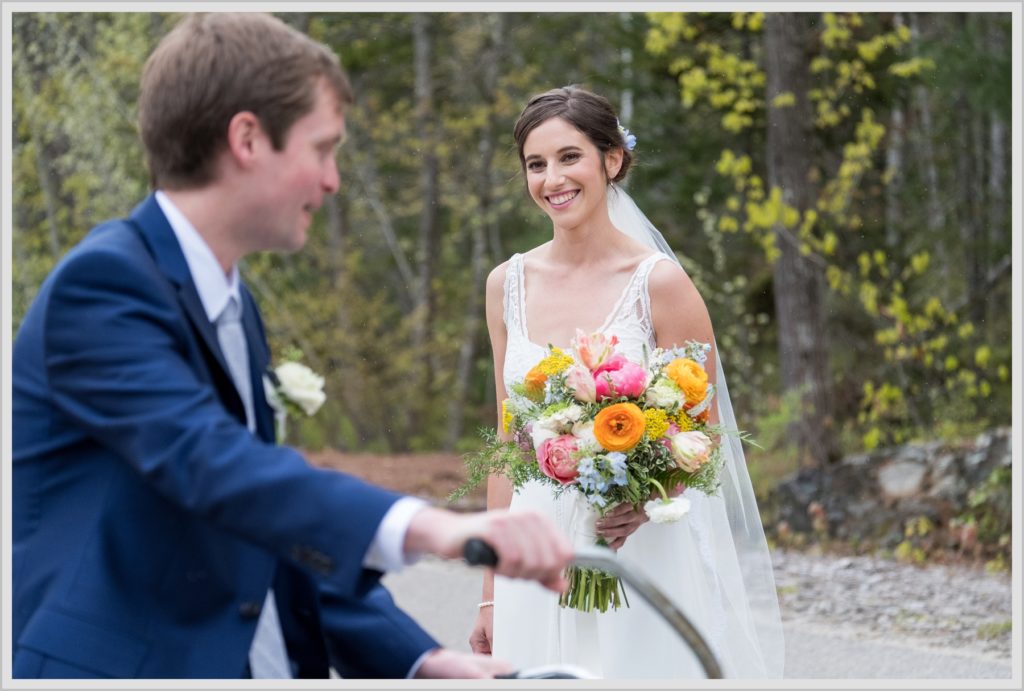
(482, 225)
(29, 86)
(350, 391)
(997, 207)
(893, 218)
(44, 167)
(799, 283)
(423, 296)
(894, 170)
(970, 208)
(923, 136)
(366, 175)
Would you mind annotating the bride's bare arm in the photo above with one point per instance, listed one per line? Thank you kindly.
(499, 489)
(679, 314)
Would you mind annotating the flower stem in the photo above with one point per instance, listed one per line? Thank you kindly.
(661, 489)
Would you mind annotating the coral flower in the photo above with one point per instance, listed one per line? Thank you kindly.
(534, 381)
(619, 427)
(690, 377)
(617, 376)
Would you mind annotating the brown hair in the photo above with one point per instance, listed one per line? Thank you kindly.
(213, 66)
(588, 112)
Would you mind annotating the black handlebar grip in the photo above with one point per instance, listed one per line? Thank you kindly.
(478, 553)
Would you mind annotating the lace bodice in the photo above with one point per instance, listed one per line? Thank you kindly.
(629, 319)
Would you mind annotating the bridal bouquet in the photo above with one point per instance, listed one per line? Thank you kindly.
(613, 430)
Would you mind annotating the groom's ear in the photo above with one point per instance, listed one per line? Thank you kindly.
(245, 138)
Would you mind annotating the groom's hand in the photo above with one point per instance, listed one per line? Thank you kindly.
(528, 543)
(450, 664)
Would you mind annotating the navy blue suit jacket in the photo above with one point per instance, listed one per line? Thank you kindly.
(148, 522)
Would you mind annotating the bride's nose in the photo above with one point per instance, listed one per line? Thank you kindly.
(555, 176)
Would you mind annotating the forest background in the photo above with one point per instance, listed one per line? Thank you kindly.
(837, 185)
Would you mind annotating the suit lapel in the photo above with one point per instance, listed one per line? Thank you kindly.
(164, 247)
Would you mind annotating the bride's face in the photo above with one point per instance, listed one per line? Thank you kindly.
(565, 173)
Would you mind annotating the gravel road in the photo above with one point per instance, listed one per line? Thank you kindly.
(844, 617)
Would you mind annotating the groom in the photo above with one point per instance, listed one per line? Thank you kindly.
(157, 529)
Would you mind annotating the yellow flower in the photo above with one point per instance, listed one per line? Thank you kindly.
(657, 422)
(506, 417)
(685, 422)
(556, 363)
(619, 427)
(690, 377)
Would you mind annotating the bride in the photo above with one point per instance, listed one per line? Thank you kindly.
(607, 270)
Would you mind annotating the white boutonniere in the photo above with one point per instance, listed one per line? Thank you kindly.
(292, 388)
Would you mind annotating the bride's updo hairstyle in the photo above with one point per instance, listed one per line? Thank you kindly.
(591, 114)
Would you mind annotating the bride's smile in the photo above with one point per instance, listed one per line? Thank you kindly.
(562, 199)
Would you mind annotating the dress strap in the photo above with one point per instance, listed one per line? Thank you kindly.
(643, 275)
(635, 302)
(513, 299)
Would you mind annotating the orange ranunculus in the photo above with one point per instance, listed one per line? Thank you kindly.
(619, 427)
(534, 381)
(690, 377)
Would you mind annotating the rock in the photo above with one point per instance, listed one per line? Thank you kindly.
(874, 496)
(951, 488)
(902, 478)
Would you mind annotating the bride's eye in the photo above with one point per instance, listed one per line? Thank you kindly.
(534, 166)
(571, 157)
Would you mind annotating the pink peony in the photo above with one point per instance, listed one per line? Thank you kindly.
(594, 349)
(555, 457)
(691, 450)
(617, 376)
(581, 382)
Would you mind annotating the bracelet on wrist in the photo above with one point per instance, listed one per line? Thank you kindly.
(486, 603)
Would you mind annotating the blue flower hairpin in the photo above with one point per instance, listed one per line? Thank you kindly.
(628, 140)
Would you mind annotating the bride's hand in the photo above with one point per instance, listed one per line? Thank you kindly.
(620, 523)
(480, 638)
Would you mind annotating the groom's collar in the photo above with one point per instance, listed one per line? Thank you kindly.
(214, 288)
(149, 218)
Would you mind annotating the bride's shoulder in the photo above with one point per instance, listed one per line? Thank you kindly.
(496, 279)
(668, 279)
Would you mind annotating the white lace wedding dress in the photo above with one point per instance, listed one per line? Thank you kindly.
(700, 575)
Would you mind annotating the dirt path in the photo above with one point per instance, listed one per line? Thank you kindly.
(432, 475)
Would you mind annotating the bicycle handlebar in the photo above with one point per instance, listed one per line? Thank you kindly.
(479, 553)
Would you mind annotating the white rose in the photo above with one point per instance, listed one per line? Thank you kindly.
(301, 385)
(665, 394)
(661, 511)
(561, 420)
(540, 433)
(584, 433)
